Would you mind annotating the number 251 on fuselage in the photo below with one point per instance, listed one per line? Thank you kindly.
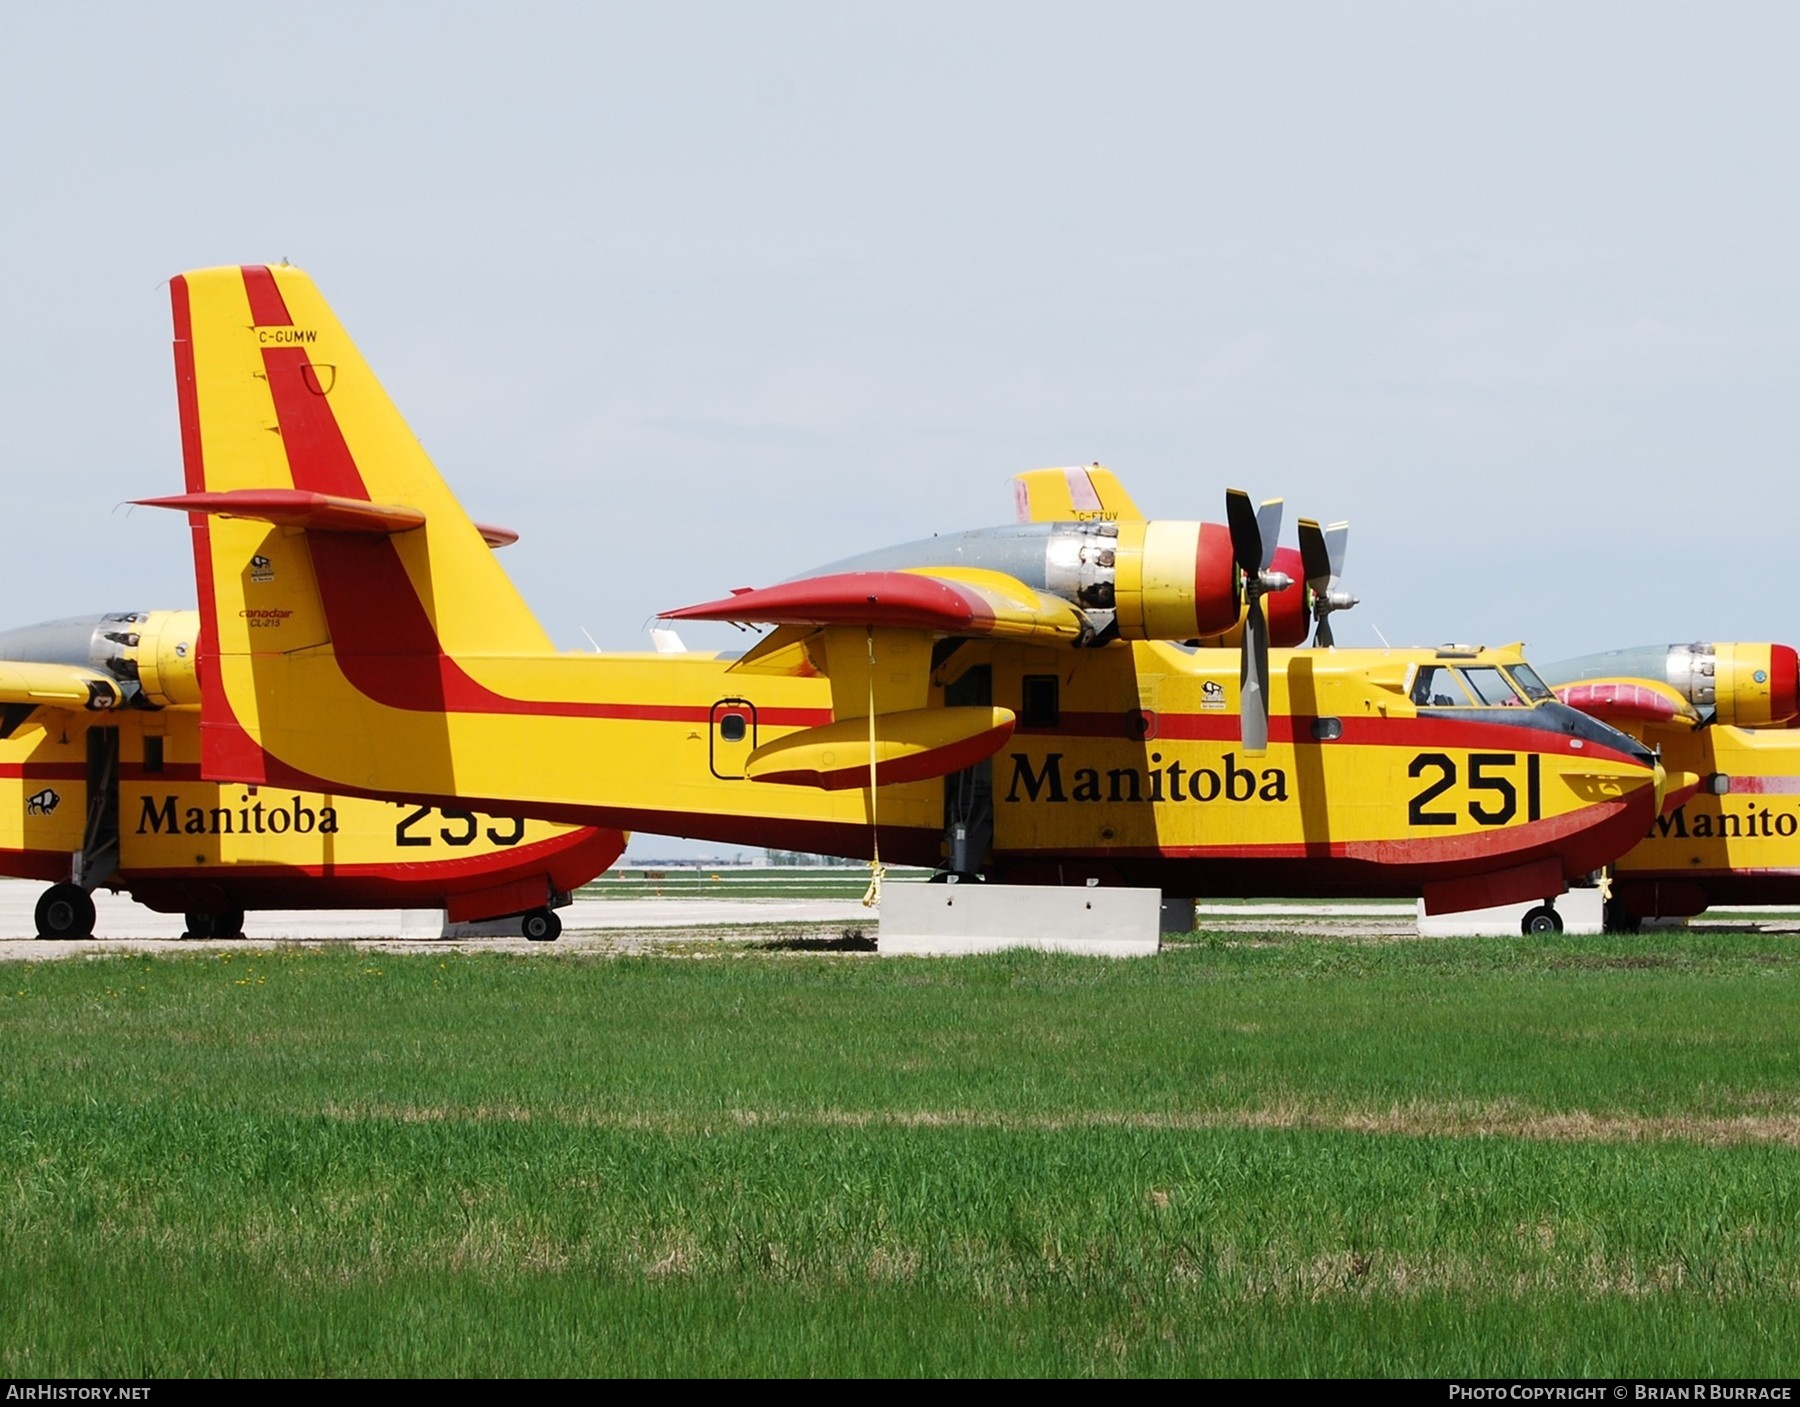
(1006, 726)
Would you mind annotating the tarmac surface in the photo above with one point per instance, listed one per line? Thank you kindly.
(608, 924)
(591, 924)
(622, 925)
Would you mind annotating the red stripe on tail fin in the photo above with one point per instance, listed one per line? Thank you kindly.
(267, 307)
(317, 455)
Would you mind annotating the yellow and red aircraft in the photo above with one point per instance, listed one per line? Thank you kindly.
(1014, 702)
(100, 787)
(1721, 717)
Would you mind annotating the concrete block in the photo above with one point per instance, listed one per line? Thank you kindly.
(947, 919)
(1580, 910)
(421, 923)
(434, 923)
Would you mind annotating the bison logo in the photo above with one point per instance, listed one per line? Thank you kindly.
(43, 803)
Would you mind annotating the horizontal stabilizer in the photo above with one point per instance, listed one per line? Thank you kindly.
(912, 746)
(299, 508)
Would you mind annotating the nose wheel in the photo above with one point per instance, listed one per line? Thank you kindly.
(1541, 922)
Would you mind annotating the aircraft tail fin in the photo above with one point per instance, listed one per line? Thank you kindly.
(1073, 494)
(321, 527)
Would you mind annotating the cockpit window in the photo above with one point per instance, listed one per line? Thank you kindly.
(1490, 686)
(1438, 687)
(1526, 678)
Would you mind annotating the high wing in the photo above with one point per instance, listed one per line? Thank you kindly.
(872, 632)
(1621, 701)
(92, 664)
(26, 685)
(1080, 582)
(1754, 684)
(942, 600)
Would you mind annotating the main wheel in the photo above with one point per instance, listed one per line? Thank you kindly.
(1541, 922)
(225, 923)
(541, 926)
(65, 911)
(1614, 919)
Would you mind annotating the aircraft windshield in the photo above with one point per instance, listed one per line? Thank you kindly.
(1485, 686)
(1526, 678)
(1438, 687)
(1490, 686)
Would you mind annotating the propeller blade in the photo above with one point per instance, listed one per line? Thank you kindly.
(1253, 680)
(1268, 524)
(1322, 637)
(1246, 536)
(1315, 556)
(1337, 538)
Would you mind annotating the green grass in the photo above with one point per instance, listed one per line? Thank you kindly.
(1241, 1157)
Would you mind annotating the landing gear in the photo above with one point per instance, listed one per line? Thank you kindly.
(65, 911)
(1615, 919)
(226, 923)
(541, 926)
(1541, 922)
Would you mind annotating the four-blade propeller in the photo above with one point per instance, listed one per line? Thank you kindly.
(1253, 535)
(1322, 552)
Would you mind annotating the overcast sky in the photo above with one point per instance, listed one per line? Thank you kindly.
(698, 296)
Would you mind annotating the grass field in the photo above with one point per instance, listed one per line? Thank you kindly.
(1292, 1157)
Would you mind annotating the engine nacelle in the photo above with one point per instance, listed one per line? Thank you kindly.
(1142, 581)
(151, 654)
(1175, 580)
(166, 655)
(1286, 611)
(1748, 685)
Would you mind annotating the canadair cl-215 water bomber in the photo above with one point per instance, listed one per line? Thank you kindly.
(1018, 703)
(100, 787)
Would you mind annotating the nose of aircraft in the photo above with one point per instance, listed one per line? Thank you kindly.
(1590, 729)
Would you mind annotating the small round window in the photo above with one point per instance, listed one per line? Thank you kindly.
(732, 728)
(1327, 730)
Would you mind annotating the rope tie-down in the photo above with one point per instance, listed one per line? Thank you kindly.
(872, 897)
